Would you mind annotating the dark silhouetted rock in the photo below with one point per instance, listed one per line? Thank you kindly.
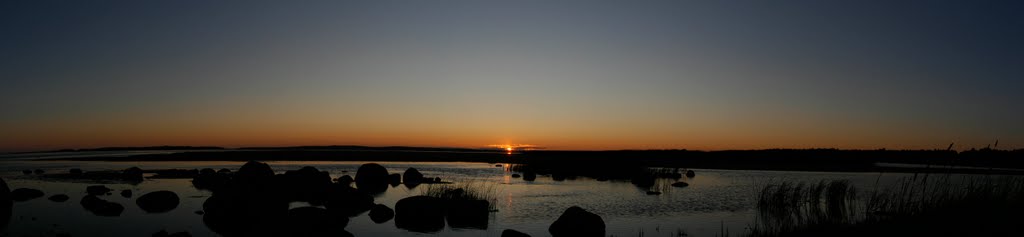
(420, 214)
(529, 176)
(26, 171)
(97, 190)
(313, 221)
(516, 176)
(39, 171)
(75, 171)
(207, 171)
(577, 222)
(254, 172)
(381, 213)
(101, 207)
(412, 177)
(127, 193)
(158, 202)
(602, 178)
(59, 198)
(498, 165)
(133, 174)
(345, 180)
(680, 184)
(163, 233)
(25, 194)
(690, 174)
(307, 184)
(676, 175)
(6, 205)
(348, 201)
(468, 213)
(199, 212)
(653, 193)
(557, 177)
(513, 233)
(372, 178)
(224, 171)
(395, 179)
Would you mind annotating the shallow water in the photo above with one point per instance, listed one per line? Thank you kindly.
(715, 200)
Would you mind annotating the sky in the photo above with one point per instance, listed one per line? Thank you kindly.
(575, 75)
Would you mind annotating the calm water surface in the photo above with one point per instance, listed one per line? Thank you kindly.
(714, 200)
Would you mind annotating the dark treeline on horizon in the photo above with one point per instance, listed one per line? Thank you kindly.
(768, 159)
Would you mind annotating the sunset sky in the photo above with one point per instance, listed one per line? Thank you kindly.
(705, 75)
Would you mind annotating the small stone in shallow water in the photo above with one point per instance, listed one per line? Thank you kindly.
(25, 194)
(59, 198)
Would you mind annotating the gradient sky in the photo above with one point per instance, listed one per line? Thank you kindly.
(559, 74)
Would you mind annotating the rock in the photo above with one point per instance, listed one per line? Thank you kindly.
(39, 171)
(158, 202)
(307, 184)
(412, 177)
(345, 180)
(577, 222)
(199, 212)
(132, 174)
(557, 177)
(653, 193)
(6, 205)
(498, 165)
(420, 214)
(372, 178)
(513, 233)
(163, 233)
(690, 174)
(529, 176)
(381, 213)
(25, 194)
(254, 171)
(602, 178)
(127, 193)
(313, 221)
(468, 213)
(677, 176)
(75, 171)
(26, 171)
(395, 179)
(101, 207)
(680, 184)
(224, 171)
(97, 190)
(59, 198)
(207, 171)
(516, 175)
(348, 201)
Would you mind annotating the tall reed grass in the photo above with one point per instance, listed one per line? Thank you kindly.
(463, 190)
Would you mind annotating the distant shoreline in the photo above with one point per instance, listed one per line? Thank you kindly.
(985, 161)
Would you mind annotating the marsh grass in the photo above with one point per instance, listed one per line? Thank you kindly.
(463, 190)
(921, 205)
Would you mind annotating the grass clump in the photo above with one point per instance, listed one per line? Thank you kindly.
(463, 190)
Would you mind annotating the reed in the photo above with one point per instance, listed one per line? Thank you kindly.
(463, 190)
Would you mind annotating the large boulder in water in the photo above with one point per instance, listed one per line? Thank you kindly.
(97, 190)
(101, 207)
(25, 194)
(381, 213)
(412, 177)
(348, 201)
(372, 177)
(158, 202)
(577, 222)
(513, 233)
(420, 214)
(132, 174)
(307, 184)
(468, 213)
(529, 176)
(314, 221)
(254, 171)
(690, 174)
(6, 204)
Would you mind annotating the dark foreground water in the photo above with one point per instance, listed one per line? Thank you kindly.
(715, 200)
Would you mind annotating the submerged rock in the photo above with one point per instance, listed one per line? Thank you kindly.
(690, 174)
(101, 207)
(577, 222)
(127, 193)
(158, 202)
(381, 213)
(680, 184)
(420, 214)
(513, 233)
(97, 190)
(25, 194)
(529, 176)
(59, 198)
(516, 175)
(26, 171)
(412, 177)
(132, 174)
